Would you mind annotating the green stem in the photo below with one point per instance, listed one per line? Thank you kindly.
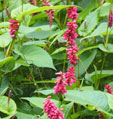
(101, 71)
(82, 83)
(64, 64)
(41, 77)
(10, 48)
(107, 35)
(34, 81)
(15, 92)
(107, 38)
(83, 66)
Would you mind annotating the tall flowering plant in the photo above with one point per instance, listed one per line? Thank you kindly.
(69, 36)
(69, 76)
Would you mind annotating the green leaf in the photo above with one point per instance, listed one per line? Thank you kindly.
(95, 99)
(4, 106)
(36, 56)
(59, 50)
(21, 115)
(46, 92)
(85, 112)
(38, 102)
(29, 9)
(4, 25)
(109, 48)
(40, 43)
(100, 30)
(104, 10)
(7, 64)
(87, 9)
(93, 77)
(4, 86)
(5, 39)
(90, 23)
(67, 110)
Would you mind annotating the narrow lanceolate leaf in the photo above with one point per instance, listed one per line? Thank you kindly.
(29, 9)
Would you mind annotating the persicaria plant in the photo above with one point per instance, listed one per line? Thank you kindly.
(56, 59)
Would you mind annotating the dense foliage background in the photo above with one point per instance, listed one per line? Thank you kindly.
(29, 62)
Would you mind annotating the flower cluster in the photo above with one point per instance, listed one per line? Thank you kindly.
(71, 52)
(70, 76)
(50, 13)
(14, 25)
(110, 18)
(72, 13)
(60, 84)
(70, 36)
(108, 89)
(52, 111)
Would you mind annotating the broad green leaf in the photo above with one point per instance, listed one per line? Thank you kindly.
(4, 106)
(7, 64)
(110, 100)
(4, 86)
(40, 43)
(85, 112)
(87, 9)
(38, 102)
(21, 115)
(5, 39)
(4, 24)
(104, 10)
(46, 92)
(19, 10)
(25, 29)
(67, 110)
(85, 49)
(90, 23)
(1, 55)
(14, 4)
(39, 34)
(37, 56)
(29, 9)
(95, 99)
(100, 30)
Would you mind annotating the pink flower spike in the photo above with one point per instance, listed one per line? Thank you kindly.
(111, 18)
(13, 28)
(72, 13)
(60, 84)
(72, 25)
(52, 111)
(108, 89)
(70, 76)
(50, 12)
(71, 52)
